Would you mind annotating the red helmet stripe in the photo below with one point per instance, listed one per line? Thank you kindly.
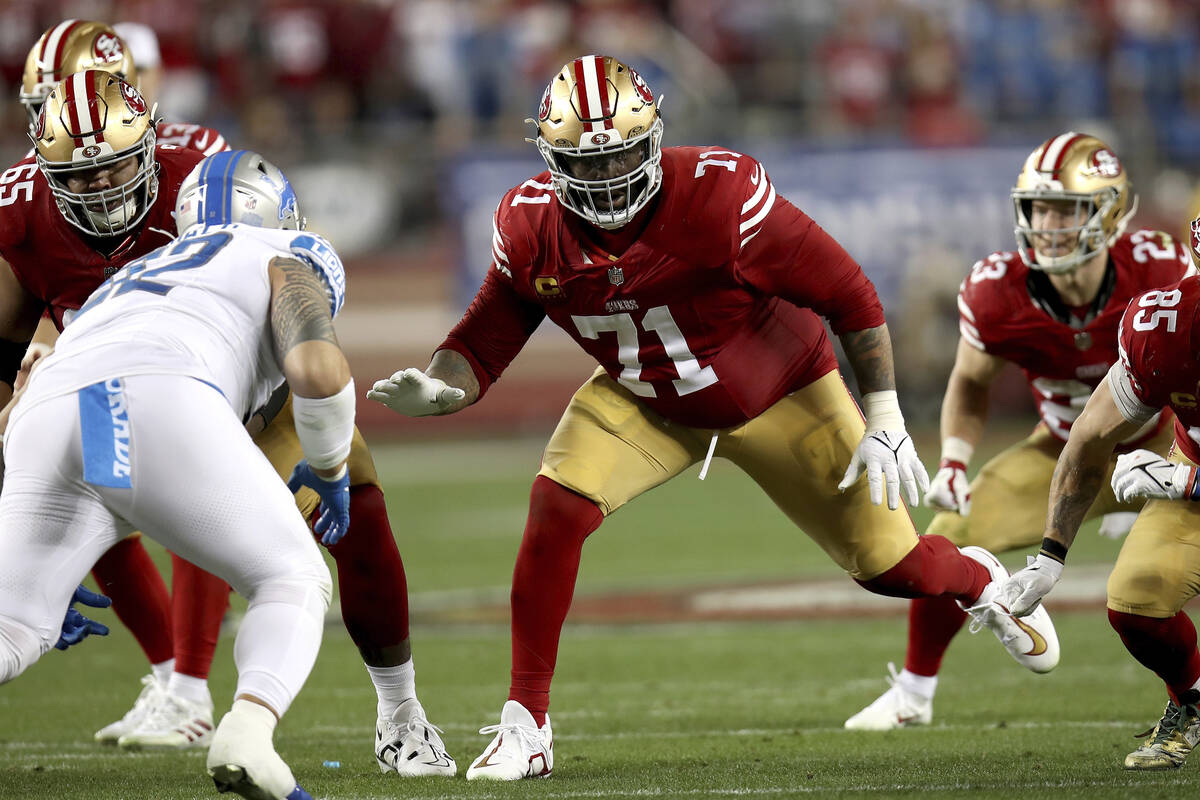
(71, 87)
(585, 107)
(602, 91)
(50, 57)
(1056, 151)
(94, 107)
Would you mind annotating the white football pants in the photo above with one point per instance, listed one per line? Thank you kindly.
(165, 455)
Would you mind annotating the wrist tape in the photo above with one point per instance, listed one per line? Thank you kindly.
(882, 411)
(325, 426)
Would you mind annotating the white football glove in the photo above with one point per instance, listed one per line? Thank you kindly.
(413, 393)
(1022, 591)
(1145, 474)
(888, 457)
(949, 489)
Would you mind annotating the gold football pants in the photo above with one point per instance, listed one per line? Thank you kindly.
(281, 446)
(610, 448)
(1158, 568)
(1010, 495)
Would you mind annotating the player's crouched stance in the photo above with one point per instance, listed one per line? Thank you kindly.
(201, 330)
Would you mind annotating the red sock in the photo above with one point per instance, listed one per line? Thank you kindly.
(935, 567)
(1165, 646)
(932, 625)
(198, 603)
(371, 581)
(139, 596)
(543, 584)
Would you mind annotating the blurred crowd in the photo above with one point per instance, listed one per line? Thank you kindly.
(413, 82)
(386, 97)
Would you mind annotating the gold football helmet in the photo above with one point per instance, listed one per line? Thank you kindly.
(95, 145)
(599, 130)
(1073, 167)
(72, 46)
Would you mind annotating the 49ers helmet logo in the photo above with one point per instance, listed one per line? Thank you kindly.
(133, 99)
(544, 108)
(642, 89)
(1104, 164)
(91, 151)
(107, 49)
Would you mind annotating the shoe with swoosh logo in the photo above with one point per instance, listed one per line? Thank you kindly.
(1030, 640)
(520, 749)
(408, 744)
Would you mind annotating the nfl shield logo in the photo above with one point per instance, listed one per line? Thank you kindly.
(616, 276)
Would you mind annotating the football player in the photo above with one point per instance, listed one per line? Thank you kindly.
(699, 290)
(99, 171)
(1157, 571)
(177, 634)
(203, 329)
(1051, 307)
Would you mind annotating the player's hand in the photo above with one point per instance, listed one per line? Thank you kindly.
(333, 520)
(1022, 591)
(76, 627)
(1146, 474)
(1117, 524)
(888, 458)
(413, 393)
(949, 489)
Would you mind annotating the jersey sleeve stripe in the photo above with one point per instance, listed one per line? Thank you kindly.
(499, 257)
(758, 178)
(217, 146)
(965, 309)
(970, 335)
(762, 212)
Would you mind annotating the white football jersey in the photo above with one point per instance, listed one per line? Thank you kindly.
(199, 306)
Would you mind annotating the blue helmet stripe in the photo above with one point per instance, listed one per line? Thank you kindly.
(225, 163)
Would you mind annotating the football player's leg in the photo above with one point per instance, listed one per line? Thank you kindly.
(127, 576)
(606, 450)
(796, 451)
(182, 715)
(52, 530)
(1156, 573)
(254, 538)
(1008, 510)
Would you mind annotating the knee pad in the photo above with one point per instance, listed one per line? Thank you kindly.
(312, 592)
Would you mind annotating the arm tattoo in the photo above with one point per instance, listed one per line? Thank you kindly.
(300, 308)
(450, 366)
(870, 355)
(1073, 489)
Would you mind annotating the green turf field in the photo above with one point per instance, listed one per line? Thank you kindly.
(666, 710)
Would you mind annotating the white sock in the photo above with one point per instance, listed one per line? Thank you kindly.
(922, 685)
(190, 688)
(162, 671)
(393, 685)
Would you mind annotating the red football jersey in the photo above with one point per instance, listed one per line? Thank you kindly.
(1064, 357)
(190, 136)
(1160, 334)
(710, 316)
(51, 258)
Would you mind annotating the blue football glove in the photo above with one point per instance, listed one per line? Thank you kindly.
(76, 627)
(334, 519)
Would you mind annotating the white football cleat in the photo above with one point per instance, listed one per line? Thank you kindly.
(151, 692)
(1030, 640)
(896, 708)
(520, 749)
(243, 760)
(409, 745)
(173, 724)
